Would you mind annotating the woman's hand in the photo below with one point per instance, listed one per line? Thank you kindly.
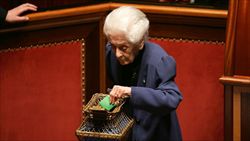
(119, 92)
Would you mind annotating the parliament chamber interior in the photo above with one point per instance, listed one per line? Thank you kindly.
(52, 65)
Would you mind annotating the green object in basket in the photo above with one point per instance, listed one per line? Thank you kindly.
(105, 103)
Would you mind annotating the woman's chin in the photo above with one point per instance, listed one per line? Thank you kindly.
(123, 62)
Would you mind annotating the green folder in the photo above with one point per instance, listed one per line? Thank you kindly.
(105, 103)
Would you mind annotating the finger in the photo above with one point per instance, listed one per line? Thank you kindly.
(112, 96)
(25, 7)
(119, 92)
(112, 100)
(30, 5)
(116, 93)
(21, 10)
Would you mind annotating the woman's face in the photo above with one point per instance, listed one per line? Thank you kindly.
(124, 51)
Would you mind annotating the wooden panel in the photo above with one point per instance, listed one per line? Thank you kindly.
(166, 21)
(245, 118)
(237, 114)
(228, 68)
(236, 80)
(175, 10)
(241, 114)
(242, 41)
(152, 9)
(187, 27)
(233, 113)
(45, 4)
(228, 90)
(52, 4)
(237, 40)
(237, 59)
(230, 38)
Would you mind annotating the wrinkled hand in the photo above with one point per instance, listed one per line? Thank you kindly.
(13, 15)
(119, 92)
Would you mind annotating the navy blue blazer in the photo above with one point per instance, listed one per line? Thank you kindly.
(155, 98)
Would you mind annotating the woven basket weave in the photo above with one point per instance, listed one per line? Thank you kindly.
(117, 129)
(102, 125)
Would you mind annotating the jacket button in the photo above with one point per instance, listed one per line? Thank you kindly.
(137, 121)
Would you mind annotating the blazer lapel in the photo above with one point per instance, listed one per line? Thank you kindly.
(142, 78)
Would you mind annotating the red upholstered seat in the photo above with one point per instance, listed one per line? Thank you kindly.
(200, 64)
(40, 92)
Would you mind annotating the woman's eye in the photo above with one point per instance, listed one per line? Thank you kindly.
(124, 48)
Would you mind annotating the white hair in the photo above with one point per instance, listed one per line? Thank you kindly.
(129, 21)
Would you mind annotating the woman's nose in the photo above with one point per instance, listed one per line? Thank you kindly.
(118, 53)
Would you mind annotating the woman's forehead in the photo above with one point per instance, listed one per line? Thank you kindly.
(118, 39)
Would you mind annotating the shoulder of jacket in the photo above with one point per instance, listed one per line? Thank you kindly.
(154, 53)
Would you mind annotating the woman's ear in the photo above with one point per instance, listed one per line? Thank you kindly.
(141, 45)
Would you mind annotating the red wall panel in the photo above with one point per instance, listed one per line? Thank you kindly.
(40, 92)
(199, 67)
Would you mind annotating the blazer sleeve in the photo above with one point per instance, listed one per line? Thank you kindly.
(3, 14)
(166, 96)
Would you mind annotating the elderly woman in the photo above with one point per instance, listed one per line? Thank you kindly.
(143, 71)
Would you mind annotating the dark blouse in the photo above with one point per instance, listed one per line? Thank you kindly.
(129, 73)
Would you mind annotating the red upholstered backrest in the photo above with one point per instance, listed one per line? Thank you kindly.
(199, 66)
(40, 92)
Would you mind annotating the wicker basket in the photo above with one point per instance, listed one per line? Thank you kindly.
(117, 129)
(102, 125)
(94, 111)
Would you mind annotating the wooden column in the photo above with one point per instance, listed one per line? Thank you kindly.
(236, 77)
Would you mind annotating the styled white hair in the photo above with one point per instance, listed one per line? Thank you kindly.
(129, 21)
